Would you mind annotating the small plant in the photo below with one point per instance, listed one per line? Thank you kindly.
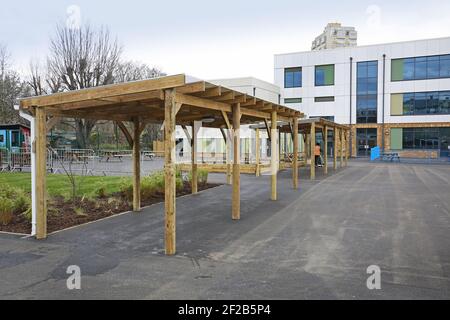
(202, 177)
(101, 192)
(80, 212)
(6, 211)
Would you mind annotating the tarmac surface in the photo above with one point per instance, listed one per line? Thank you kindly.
(316, 243)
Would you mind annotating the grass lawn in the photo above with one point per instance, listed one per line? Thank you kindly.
(60, 185)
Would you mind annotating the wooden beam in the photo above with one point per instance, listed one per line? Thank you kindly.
(52, 122)
(188, 135)
(194, 87)
(236, 198)
(325, 154)
(218, 106)
(295, 161)
(226, 96)
(169, 169)
(136, 143)
(41, 174)
(266, 124)
(106, 91)
(313, 148)
(125, 132)
(273, 158)
(226, 119)
(211, 92)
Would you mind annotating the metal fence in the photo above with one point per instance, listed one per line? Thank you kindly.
(4, 160)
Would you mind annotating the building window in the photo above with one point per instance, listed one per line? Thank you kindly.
(367, 92)
(329, 118)
(420, 103)
(421, 68)
(293, 78)
(324, 99)
(325, 75)
(293, 100)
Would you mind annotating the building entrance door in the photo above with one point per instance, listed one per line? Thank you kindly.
(366, 140)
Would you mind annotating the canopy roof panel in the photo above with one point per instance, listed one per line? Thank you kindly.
(197, 100)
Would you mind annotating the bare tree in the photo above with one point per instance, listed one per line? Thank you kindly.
(11, 88)
(79, 59)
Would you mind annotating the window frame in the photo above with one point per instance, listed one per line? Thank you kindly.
(292, 71)
(325, 84)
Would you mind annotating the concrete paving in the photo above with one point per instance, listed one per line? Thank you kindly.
(311, 244)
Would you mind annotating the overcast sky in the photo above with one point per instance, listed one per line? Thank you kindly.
(217, 39)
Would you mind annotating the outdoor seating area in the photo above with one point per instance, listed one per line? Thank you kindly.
(171, 101)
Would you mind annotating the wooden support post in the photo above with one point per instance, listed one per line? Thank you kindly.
(335, 148)
(274, 161)
(41, 174)
(169, 169)
(229, 164)
(295, 161)
(347, 147)
(313, 148)
(325, 154)
(258, 152)
(136, 166)
(341, 138)
(280, 151)
(194, 173)
(236, 198)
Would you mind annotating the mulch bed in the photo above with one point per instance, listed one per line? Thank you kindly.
(63, 214)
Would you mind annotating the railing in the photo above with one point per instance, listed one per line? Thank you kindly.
(4, 160)
(20, 159)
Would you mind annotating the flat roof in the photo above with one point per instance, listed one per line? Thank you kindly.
(145, 100)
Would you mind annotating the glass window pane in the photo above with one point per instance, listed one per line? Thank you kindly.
(421, 70)
(362, 87)
(362, 70)
(420, 105)
(444, 102)
(320, 77)
(444, 67)
(433, 103)
(408, 103)
(373, 70)
(397, 70)
(289, 80)
(372, 86)
(433, 67)
(408, 71)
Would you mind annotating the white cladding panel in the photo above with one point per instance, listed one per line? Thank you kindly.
(340, 108)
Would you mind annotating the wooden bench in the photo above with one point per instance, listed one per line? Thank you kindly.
(391, 156)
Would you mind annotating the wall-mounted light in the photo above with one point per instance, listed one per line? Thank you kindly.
(208, 120)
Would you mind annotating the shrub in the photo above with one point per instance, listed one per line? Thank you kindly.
(202, 177)
(6, 211)
(101, 191)
(13, 201)
(126, 189)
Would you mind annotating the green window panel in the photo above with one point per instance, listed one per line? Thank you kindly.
(397, 104)
(398, 67)
(397, 139)
(293, 100)
(325, 75)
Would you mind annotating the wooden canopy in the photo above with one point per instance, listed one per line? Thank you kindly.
(173, 100)
(196, 100)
